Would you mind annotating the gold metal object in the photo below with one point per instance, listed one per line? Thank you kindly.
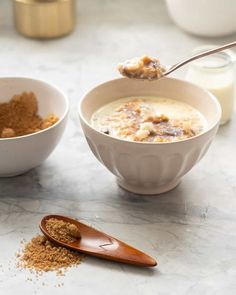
(44, 19)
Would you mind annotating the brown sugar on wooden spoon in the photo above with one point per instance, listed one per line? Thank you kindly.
(42, 255)
(97, 243)
(62, 231)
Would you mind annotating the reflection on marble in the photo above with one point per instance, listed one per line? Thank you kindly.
(191, 230)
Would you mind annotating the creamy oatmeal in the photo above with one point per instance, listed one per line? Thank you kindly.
(149, 119)
(143, 67)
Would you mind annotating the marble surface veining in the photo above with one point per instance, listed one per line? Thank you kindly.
(191, 231)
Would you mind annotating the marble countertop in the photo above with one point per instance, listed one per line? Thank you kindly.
(191, 230)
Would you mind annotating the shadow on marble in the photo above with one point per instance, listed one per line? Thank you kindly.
(101, 264)
(226, 129)
(170, 201)
(21, 185)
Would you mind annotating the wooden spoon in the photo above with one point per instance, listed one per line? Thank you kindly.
(99, 244)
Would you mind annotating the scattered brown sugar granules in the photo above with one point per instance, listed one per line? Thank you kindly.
(41, 255)
(62, 231)
(20, 116)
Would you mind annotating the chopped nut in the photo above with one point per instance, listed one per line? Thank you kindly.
(156, 119)
(8, 132)
(147, 126)
(141, 134)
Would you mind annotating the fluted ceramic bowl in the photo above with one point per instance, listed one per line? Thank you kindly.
(149, 168)
(22, 153)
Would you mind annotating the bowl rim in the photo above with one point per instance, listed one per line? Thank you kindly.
(48, 84)
(81, 116)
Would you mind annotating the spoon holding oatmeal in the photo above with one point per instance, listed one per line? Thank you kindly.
(144, 67)
(150, 68)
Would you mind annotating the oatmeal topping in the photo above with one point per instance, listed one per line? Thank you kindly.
(149, 120)
(143, 67)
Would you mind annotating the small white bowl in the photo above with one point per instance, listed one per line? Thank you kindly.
(149, 168)
(20, 154)
(207, 18)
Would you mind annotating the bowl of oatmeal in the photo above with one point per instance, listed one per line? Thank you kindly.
(149, 134)
(33, 117)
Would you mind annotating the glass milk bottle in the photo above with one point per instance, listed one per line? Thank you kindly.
(216, 74)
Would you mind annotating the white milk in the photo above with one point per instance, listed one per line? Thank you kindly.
(216, 74)
(225, 96)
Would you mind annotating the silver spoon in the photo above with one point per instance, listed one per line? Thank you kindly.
(197, 56)
(153, 70)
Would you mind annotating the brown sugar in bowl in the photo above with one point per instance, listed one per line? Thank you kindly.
(22, 153)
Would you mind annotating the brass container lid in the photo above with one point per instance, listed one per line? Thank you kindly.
(44, 19)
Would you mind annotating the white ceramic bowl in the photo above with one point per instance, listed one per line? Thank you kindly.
(20, 154)
(149, 168)
(209, 18)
